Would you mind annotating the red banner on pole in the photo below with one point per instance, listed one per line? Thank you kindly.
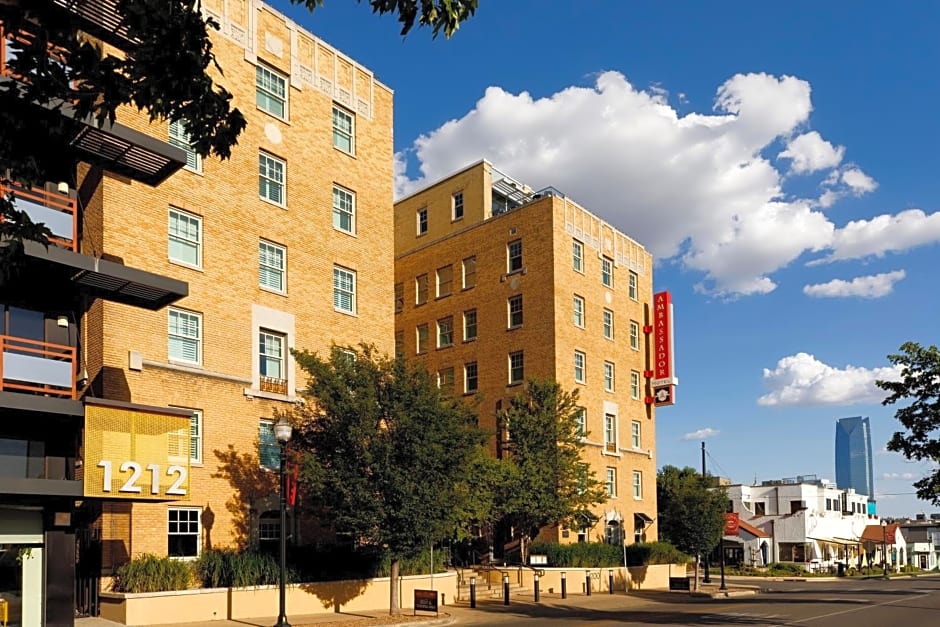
(732, 524)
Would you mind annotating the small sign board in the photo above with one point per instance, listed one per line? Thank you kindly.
(679, 583)
(538, 560)
(425, 601)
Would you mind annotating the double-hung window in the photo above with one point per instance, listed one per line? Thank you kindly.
(514, 255)
(610, 481)
(635, 385)
(445, 332)
(272, 266)
(607, 271)
(344, 210)
(470, 377)
(610, 433)
(180, 138)
(608, 324)
(516, 367)
(579, 367)
(469, 325)
(445, 379)
(515, 311)
(185, 238)
(344, 130)
(637, 484)
(421, 289)
(635, 335)
(269, 452)
(185, 336)
(445, 281)
(184, 532)
(271, 362)
(580, 418)
(633, 290)
(421, 341)
(271, 178)
(399, 297)
(457, 206)
(578, 310)
(344, 290)
(271, 91)
(608, 376)
(469, 272)
(187, 442)
(577, 256)
(422, 220)
(635, 441)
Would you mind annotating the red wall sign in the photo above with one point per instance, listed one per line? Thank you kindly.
(662, 341)
(732, 524)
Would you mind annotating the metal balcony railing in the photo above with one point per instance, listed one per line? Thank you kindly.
(57, 211)
(273, 385)
(37, 367)
(100, 18)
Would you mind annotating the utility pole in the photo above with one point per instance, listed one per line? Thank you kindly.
(707, 578)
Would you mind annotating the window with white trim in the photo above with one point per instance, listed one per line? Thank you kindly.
(399, 297)
(185, 238)
(185, 336)
(457, 206)
(580, 417)
(445, 332)
(180, 138)
(637, 484)
(421, 218)
(469, 325)
(516, 367)
(610, 481)
(577, 256)
(344, 290)
(514, 255)
(445, 281)
(515, 311)
(271, 178)
(635, 385)
(609, 376)
(579, 367)
(578, 311)
(470, 377)
(421, 289)
(184, 531)
(271, 91)
(269, 451)
(272, 362)
(608, 324)
(635, 440)
(635, 335)
(633, 290)
(421, 335)
(344, 130)
(445, 379)
(469, 272)
(610, 433)
(607, 271)
(272, 266)
(187, 443)
(344, 210)
(269, 526)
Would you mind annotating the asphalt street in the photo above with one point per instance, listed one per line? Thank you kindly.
(860, 603)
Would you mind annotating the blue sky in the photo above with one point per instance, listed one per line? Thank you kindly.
(779, 161)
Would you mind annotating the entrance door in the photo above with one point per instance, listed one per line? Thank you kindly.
(21, 567)
(923, 562)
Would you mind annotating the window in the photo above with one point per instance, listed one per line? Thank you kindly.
(608, 324)
(272, 263)
(580, 418)
(344, 210)
(469, 325)
(422, 338)
(344, 290)
(185, 238)
(610, 433)
(607, 271)
(269, 451)
(422, 218)
(635, 335)
(344, 136)
(514, 255)
(184, 535)
(399, 297)
(760, 508)
(445, 379)
(579, 366)
(458, 206)
(421, 289)
(187, 443)
(608, 376)
(578, 309)
(271, 178)
(577, 255)
(637, 484)
(635, 441)
(399, 343)
(445, 332)
(470, 380)
(635, 385)
(271, 91)
(185, 336)
(516, 367)
(180, 138)
(271, 362)
(469, 272)
(610, 482)
(445, 280)
(269, 526)
(633, 289)
(515, 311)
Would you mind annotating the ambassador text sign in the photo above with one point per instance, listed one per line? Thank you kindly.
(664, 378)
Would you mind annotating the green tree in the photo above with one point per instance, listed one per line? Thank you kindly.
(167, 73)
(385, 451)
(919, 384)
(691, 510)
(546, 481)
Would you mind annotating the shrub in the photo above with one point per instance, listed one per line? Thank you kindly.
(786, 568)
(413, 565)
(644, 553)
(228, 568)
(599, 554)
(149, 573)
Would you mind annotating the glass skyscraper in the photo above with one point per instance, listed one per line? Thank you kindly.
(853, 456)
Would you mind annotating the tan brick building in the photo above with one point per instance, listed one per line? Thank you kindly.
(496, 282)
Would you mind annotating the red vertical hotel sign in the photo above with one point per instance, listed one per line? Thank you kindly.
(664, 379)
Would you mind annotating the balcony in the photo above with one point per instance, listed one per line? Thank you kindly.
(36, 367)
(99, 18)
(273, 385)
(57, 211)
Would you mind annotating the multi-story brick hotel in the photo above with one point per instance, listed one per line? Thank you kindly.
(154, 332)
(496, 283)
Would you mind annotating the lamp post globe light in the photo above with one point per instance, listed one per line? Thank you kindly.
(884, 546)
(283, 432)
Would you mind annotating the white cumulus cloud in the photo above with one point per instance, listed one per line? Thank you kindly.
(701, 434)
(858, 181)
(883, 234)
(802, 379)
(871, 286)
(809, 152)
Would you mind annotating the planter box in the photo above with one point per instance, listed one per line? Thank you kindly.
(652, 577)
(186, 606)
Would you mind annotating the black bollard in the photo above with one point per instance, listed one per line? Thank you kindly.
(473, 592)
(610, 580)
(505, 589)
(536, 587)
(564, 586)
(587, 582)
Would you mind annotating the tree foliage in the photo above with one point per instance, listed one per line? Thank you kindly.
(547, 483)
(691, 511)
(439, 15)
(384, 451)
(919, 384)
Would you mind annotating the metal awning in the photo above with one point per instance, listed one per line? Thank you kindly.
(100, 18)
(640, 515)
(834, 540)
(113, 281)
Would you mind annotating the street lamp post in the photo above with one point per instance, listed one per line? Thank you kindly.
(884, 546)
(283, 431)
